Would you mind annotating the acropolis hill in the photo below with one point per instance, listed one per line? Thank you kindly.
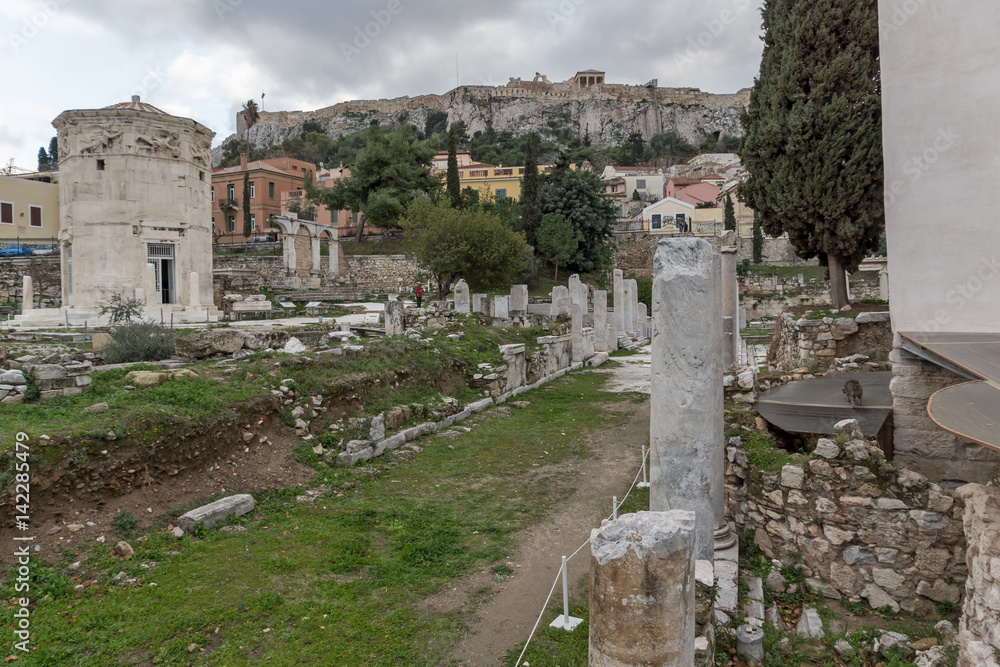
(605, 112)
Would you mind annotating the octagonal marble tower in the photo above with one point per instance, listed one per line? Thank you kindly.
(135, 209)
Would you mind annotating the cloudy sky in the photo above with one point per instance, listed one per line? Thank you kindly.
(203, 58)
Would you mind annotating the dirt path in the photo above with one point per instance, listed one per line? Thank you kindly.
(506, 619)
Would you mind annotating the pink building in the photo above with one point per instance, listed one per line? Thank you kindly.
(699, 193)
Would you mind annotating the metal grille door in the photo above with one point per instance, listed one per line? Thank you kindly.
(161, 256)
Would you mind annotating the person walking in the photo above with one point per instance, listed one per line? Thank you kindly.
(419, 293)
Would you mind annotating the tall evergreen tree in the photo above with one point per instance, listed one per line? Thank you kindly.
(454, 184)
(54, 153)
(758, 240)
(43, 159)
(729, 217)
(531, 208)
(813, 132)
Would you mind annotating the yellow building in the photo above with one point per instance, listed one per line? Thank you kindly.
(501, 182)
(673, 216)
(29, 210)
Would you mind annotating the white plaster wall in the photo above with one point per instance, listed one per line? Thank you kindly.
(941, 92)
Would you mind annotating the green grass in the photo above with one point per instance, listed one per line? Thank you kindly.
(334, 582)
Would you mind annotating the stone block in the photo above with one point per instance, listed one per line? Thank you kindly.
(217, 511)
(201, 344)
(44, 372)
(792, 476)
(827, 448)
(878, 598)
(810, 625)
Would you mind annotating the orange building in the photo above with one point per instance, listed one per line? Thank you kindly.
(346, 221)
(268, 180)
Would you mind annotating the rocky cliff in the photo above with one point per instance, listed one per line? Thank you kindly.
(606, 113)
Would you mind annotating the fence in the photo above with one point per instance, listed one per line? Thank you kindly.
(260, 244)
(39, 246)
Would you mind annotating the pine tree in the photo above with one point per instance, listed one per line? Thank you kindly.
(454, 183)
(531, 208)
(43, 159)
(813, 132)
(729, 219)
(758, 240)
(54, 153)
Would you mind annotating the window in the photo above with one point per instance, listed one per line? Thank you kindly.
(100, 165)
(656, 221)
(270, 190)
(640, 184)
(614, 188)
(354, 217)
(253, 190)
(213, 194)
(253, 221)
(201, 176)
(231, 191)
(680, 222)
(334, 215)
(231, 224)
(6, 213)
(502, 193)
(35, 216)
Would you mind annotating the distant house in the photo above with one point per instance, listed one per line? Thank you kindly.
(440, 160)
(648, 181)
(673, 216)
(345, 221)
(268, 179)
(699, 194)
(29, 209)
(497, 181)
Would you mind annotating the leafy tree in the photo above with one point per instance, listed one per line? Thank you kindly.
(247, 227)
(437, 123)
(557, 240)
(531, 210)
(578, 197)
(729, 216)
(452, 243)
(454, 184)
(758, 239)
(391, 170)
(813, 132)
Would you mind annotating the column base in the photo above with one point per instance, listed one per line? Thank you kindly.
(723, 537)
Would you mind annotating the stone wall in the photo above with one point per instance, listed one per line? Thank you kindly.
(634, 251)
(55, 380)
(919, 442)
(45, 274)
(863, 528)
(802, 342)
(979, 628)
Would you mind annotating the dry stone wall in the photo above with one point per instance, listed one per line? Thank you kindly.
(802, 342)
(634, 251)
(863, 528)
(376, 273)
(979, 628)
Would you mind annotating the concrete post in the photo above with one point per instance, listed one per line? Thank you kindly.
(642, 586)
(501, 307)
(27, 294)
(519, 299)
(462, 297)
(394, 323)
(601, 320)
(686, 430)
(194, 286)
(576, 318)
(619, 293)
(730, 295)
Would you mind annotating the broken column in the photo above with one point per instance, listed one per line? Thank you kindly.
(462, 297)
(27, 294)
(730, 296)
(394, 318)
(561, 301)
(619, 295)
(626, 306)
(574, 287)
(584, 290)
(601, 320)
(643, 321)
(642, 587)
(634, 304)
(519, 300)
(686, 430)
(479, 304)
(576, 328)
(501, 307)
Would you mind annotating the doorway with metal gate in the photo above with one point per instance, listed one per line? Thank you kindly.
(161, 256)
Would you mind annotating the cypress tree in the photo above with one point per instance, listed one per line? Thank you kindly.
(729, 219)
(531, 208)
(813, 132)
(454, 185)
(758, 240)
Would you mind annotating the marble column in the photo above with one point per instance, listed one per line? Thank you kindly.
(519, 299)
(479, 304)
(627, 314)
(619, 294)
(560, 301)
(462, 297)
(394, 323)
(574, 287)
(686, 428)
(642, 590)
(633, 306)
(501, 307)
(576, 328)
(601, 320)
(730, 296)
(643, 321)
(194, 289)
(27, 294)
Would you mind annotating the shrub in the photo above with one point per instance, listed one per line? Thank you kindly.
(140, 341)
(31, 392)
(124, 523)
(120, 309)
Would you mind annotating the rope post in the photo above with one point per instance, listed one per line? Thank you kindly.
(614, 507)
(565, 621)
(65, 312)
(208, 319)
(171, 320)
(161, 317)
(643, 484)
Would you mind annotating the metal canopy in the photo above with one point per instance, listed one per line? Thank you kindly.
(970, 410)
(816, 404)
